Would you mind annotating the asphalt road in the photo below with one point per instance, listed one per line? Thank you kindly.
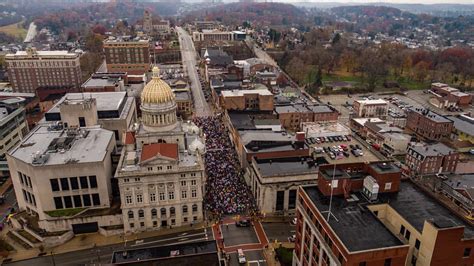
(104, 254)
(188, 55)
(254, 257)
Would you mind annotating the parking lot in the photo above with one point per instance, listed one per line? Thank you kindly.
(342, 149)
(416, 98)
(234, 235)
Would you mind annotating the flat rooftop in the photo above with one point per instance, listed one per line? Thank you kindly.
(463, 123)
(359, 229)
(369, 102)
(286, 166)
(362, 121)
(235, 93)
(43, 54)
(415, 206)
(100, 82)
(106, 101)
(61, 148)
(248, 136)
(435, 117)
(437, 149)
(188, 251)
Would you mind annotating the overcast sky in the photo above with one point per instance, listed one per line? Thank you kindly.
(395, 1)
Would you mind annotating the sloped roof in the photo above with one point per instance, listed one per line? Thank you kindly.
(129, 137)
(169, 150)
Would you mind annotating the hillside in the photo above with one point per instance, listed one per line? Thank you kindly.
(263, 14)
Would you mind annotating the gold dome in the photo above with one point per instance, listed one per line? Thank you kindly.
(157, 91)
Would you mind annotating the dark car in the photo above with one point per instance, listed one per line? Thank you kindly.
(242, 223)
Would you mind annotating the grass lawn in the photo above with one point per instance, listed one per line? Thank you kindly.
(16, 30)
(64, 212)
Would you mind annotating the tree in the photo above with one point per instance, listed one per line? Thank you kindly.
(373, 68)
(274, 35)
(336, 38)
(99, 29)
(94, 43)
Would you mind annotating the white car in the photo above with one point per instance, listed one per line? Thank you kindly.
(294, 221)
(292, 238)
(241, 256)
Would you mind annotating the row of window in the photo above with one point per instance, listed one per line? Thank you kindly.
(25, 180)
(183, 182)
(73, 183)
(280, 199)
(163, 223)
(163, 212)
(77, 201)
(162, 196)
(29, 197)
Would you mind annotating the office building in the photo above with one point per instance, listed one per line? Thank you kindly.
(368, 226)
(114, 111)
(62, 178)
(13, 128)
(370, 108)
(31, 69)
(241, 100)
(124, 54)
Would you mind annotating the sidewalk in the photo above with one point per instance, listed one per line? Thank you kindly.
(92, 240)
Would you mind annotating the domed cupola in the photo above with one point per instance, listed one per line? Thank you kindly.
(158, 105)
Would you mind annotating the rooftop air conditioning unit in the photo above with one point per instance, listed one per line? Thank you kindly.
(371, 188)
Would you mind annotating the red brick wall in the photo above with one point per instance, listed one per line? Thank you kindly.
(449, 248)
(372, 257)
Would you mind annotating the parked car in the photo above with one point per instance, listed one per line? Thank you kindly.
(241, 256)
(242, 223)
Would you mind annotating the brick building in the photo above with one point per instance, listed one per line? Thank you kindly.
(124, 54)
(261, 99)
(431, 159)
(31, 69)
(428, 124)
(404, 227)
(447, 96)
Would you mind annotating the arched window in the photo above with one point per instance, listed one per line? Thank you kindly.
(163, 211)
(130, 214)
(141, 214)
(195, 208)
(172, 211)
(185, 209)
(154, 213)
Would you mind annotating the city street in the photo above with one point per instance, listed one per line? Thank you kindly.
(103, 254)
(188, 54)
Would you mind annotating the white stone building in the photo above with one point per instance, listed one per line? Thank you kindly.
(161, 172)
(62, 178)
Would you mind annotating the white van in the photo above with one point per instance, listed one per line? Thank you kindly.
(241, 256)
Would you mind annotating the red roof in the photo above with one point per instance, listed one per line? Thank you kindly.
(129, 137)
(163, 149)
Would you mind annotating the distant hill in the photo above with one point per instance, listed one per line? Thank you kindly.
(258, 13)
(433, 9)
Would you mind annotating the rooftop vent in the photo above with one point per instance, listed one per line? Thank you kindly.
(39, 158)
